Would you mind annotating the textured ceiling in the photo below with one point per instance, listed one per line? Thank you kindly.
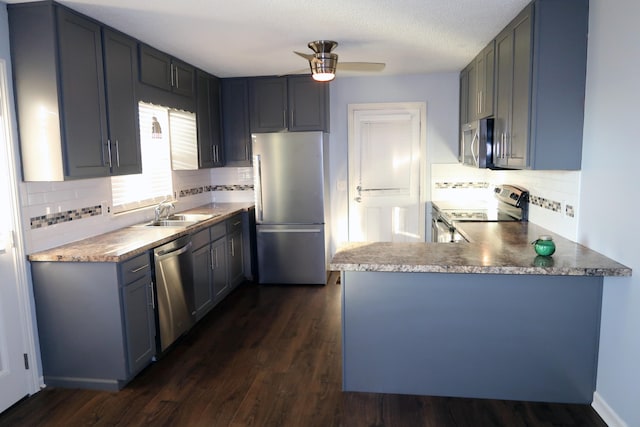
(232, 38)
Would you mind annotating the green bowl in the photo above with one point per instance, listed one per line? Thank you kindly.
(544, 246)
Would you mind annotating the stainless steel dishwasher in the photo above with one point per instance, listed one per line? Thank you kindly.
(174, 287)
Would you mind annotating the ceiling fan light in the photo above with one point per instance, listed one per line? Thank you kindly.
(323, 77)
(323, 66)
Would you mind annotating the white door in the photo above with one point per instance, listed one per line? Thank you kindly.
(15, 380)
(386, 172)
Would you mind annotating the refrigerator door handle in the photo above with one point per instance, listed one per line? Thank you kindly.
(257, 165)
(292, 230)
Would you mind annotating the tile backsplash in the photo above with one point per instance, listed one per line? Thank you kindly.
(55, 213)
(553, 198)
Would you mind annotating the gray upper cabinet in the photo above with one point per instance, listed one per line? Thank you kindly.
(476, 86)
(162, 71)
(60, 85)
(235, 122)
(485, 76)
(308, 104)
(83, 96)
(540, 85)
(121, 71)
(268, 100)
(293, 103)
(208, 120)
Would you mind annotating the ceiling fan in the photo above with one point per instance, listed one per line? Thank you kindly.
(323, 62)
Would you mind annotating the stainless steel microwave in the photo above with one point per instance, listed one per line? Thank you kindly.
(476, 143)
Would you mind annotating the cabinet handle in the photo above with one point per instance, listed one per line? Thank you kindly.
(117, 153)
(214, 258)
(293, 112)
(237, 223)
(246, 152)
(233, 249)
(172, 78)
(135, 270)
(153, 296)
(177, 74)
(284, 118)
(109, 152)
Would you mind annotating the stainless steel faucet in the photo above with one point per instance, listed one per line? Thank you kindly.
(163, 210)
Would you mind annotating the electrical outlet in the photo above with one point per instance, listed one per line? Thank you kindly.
(106, 208)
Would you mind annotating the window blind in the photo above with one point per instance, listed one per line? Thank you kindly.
(154, 184)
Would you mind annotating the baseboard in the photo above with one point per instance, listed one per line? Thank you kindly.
(606, 412)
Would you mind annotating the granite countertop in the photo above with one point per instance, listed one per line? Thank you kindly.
(119, 245)
(493, 248)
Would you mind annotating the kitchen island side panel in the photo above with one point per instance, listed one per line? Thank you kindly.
(515, 337)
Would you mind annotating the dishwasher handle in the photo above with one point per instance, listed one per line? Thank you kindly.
(171, 253)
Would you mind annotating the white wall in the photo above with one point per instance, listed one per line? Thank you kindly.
(439, 91)
(610, 177)
(554, 195)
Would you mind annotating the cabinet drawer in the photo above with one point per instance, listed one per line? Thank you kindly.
(200, 239)
(234, 224)
(135, 268)
(218, 231)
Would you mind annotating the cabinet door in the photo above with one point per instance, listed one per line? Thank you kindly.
(268, 100)
(216, 125)
(235, 122)
(220, 280)
(472, 100)
(503, 99)
(485, 65)
(202, 269)
(206, 155)
(308, 104)
(121, 72)
(183, 78)
(518, 141)
(84, 121)
(155, 68)
(138, 307)
(236, 262)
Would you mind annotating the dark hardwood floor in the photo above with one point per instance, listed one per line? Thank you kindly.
(270, 356)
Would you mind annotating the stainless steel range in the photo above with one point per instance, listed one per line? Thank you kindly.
(510, 203)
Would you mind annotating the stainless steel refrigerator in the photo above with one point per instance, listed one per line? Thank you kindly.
(291, 175)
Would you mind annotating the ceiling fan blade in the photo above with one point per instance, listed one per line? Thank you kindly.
(361, 66)
(304, 55)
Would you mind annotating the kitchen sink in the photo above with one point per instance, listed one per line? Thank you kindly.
(179, 220)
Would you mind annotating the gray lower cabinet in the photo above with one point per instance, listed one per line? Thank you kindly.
(540, 85)
(220, 279)
(211, 282)
(96, 321)
(236, 250)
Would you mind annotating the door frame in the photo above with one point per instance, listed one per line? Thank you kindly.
(423, 176)
(25, 294)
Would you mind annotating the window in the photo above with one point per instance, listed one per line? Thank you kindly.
(154, 184)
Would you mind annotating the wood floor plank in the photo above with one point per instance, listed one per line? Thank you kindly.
(271, 356)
